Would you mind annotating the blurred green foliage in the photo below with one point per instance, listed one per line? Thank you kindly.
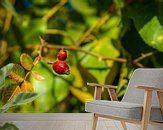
(14, 88)
(116, 36)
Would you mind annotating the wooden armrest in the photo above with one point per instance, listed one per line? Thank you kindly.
(101, 85)
(150, 88)
(98, 87)
(148, 100)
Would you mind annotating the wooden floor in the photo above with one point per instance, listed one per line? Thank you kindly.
(58, 121)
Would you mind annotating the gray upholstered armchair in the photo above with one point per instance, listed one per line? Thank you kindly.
(141, 104)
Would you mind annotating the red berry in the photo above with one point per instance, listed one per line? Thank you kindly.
(62, 55)
(60, 67)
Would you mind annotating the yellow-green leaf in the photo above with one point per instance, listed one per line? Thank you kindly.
(81, 95)
(15, 92)
(7, 93)
(26, 61)
(19, 99)
(26, 86)
(15, 77)
(17, 73)
(37, 76)
(125, 74)
(4, 72)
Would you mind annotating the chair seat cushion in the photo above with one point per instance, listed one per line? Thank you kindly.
(131, 111)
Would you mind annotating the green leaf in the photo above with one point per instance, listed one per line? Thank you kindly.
(8, 92)
(81, 95)
(19, 99)
(61, 88)
(113, 21)
(77, 79)
(53, 90)
(71, 31)
(87, 77)
(44, 87)
(114, 71)
(152, 34)
(17, 73)
(125, 74)
(26, 61)
(23, 98)
(40, 2)
(4, 72)
(148, 25)
(7, 4)
(83, 7)
(34, 28)
(97, 66)
(8, 126)
(142, 13)
(8, 82)
(132, 41)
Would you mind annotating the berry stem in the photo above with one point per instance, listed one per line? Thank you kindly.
(78, 48)
(49, 62)
(42, 41)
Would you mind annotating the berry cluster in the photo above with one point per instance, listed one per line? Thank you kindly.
(60, 66)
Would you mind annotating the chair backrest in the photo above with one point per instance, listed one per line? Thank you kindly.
(147, 77)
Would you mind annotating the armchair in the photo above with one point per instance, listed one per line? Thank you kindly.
(141, 104)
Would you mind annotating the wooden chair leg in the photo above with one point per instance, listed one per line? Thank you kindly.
(146, 110)
(160, 98)
(124, 125)
(94, 121)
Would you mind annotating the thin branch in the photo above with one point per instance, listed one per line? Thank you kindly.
(27, 74)
(42, 41)
(139, 65)
(54, 10)
(45, 44)
(92, 37)
(49, 62)
(75, 48)
(143, 56)
(7, 21)
(101, 21)
(37, 59)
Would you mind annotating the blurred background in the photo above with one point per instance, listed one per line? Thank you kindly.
(106, 41)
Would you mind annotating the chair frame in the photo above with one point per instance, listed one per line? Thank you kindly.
(146, 106)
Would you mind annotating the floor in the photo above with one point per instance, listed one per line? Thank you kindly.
(58, 121)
